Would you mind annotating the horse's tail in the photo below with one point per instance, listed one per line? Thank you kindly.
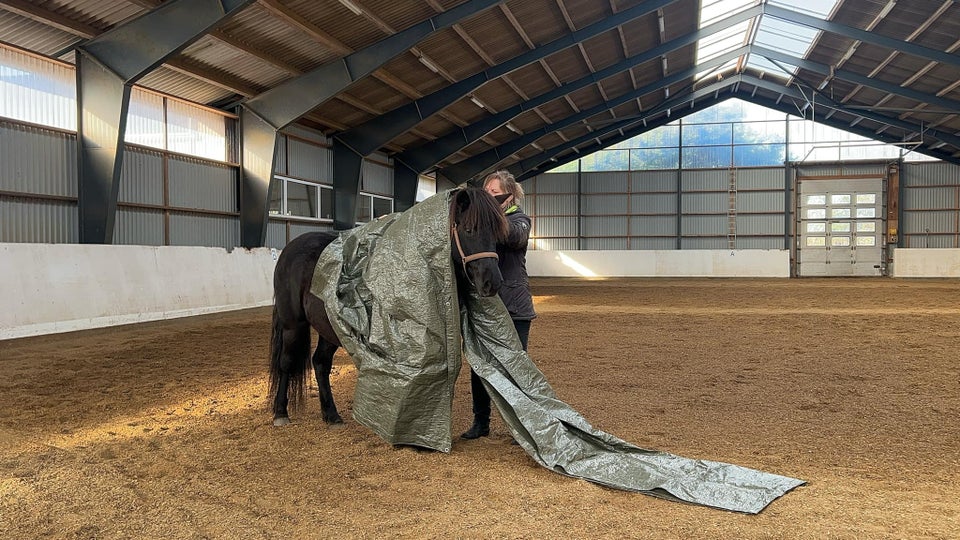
(290, 357)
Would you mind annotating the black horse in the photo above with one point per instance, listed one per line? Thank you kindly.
(477, 224)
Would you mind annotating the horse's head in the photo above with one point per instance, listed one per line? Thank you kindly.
(477, 224)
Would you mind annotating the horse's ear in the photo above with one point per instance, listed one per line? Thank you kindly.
(462, 200)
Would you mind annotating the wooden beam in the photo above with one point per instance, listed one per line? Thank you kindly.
(473, 45)
(395, 83)
(440, 70)
(211, 77)
(566, 16)
(257, 53)
(354, 102)
(305, 26)
(516, 25)
(550, 73)
(41, 15)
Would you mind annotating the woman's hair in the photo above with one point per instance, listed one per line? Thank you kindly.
(508, 184)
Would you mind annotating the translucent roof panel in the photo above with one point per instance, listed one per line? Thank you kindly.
(769, 32)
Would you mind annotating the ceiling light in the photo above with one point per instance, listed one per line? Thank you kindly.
(352, 7)
(477, 102)
(430, 65)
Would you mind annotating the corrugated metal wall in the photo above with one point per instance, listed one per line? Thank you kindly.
(930, 202)
(308, 161)
(141, 180)
(38, 190)
(138, 227)
(639, 209)
(39, 221)
(376, 178)
(37, 160)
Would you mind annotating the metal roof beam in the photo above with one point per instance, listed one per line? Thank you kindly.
(372, 135)
(284, 104)
(532, 163)
(262, 116)
(430, 154)
(107, 67)
(862, 35)
(864, 114)
(467, 168)
(883, 137)
(625, 135)
(824, 69)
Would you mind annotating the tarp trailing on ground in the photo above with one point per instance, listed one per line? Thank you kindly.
(390, 293)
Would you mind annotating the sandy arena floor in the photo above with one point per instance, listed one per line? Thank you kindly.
(161, 430)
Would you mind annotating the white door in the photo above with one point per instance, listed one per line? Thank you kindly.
(840, 225)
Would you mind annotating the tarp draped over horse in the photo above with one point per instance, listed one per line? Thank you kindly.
(391, 296)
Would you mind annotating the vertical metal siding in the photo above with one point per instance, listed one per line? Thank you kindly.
(276, 234)
(45, 93)
(297, 228)
(652, 243)
(704, 225)
(554, 205)
(704, 203)
(377, 179)
(646, 181)
(939, 221)
(557, 244)
(760, 201)
(704, 243)
(928, 198)
(198, 230)
(23, 220)
(605, 182)
(765, 178)
(308, 161)
(202, 185)
(759, 225)
(604, 243)
(556, 183)
(546, 227)
(878, 169)
(706, 180)
(654, 226)
(603, 204)
(141, 180)
(759, 243)
(654, 203)
(930, 174)
(604, 226)
(136, 226)
(37, 160)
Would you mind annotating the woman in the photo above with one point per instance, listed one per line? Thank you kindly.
(515, 290)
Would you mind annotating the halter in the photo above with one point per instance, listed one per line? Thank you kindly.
(464, 258)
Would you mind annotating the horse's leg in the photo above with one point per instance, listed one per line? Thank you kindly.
(322, 364)
(290, 362)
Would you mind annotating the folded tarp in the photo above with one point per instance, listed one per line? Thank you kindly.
(391, 296)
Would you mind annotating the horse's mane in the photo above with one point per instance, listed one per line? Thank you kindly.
(481, 214)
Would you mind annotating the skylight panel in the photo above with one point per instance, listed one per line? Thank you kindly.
(765, 31)
(817, 8)
(712, 11)
(783, 36)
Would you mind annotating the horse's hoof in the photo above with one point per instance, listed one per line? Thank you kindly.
(281, 421)
(333, 421)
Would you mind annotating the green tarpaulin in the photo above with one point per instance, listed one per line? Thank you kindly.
(390, 292)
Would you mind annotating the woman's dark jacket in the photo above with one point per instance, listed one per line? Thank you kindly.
(515, 291)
